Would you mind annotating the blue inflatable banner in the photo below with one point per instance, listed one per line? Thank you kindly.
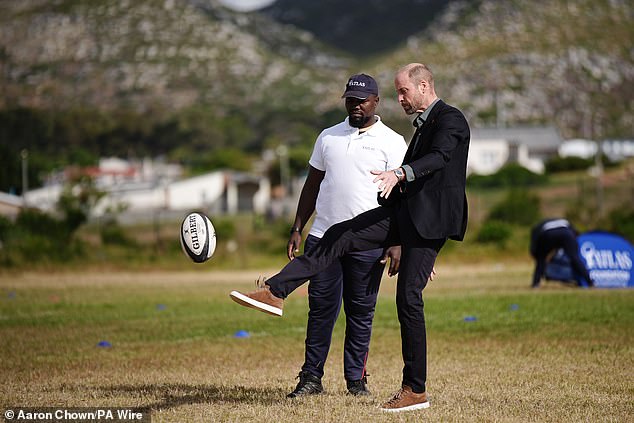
(608, 258)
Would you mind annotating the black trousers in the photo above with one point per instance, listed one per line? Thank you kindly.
(354, 279)
(551, 240)
(380, 227)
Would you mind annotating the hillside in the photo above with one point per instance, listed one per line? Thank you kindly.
(565, 63)
(153, 54)
(186, 77)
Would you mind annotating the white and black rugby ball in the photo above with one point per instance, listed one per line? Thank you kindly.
(198, 237)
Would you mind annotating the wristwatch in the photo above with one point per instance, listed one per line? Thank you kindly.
(295, 229)
(399, 173)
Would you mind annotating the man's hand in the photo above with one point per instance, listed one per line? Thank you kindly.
(293, 245)
(432, 274)
(394, 254)
(387, 180)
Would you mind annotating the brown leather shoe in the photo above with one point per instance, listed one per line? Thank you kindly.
(406, 400)
(261, 299)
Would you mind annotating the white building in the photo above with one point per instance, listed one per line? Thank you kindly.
(10, 205)
(614, 149)
(217, 192)
(492, 148)
(135, 191)
(584, 149)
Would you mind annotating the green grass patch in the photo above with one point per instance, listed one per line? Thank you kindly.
(498, 351)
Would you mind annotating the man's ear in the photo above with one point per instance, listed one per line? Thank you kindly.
(423, 86)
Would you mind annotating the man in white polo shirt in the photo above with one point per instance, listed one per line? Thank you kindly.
(338, 187)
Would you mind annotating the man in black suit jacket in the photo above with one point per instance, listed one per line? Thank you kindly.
(423, 204)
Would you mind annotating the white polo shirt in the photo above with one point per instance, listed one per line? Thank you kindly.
(347, 157)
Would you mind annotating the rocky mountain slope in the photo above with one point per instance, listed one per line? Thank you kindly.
(569, 63)
(150, 54)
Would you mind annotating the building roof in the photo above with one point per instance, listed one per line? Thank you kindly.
(11, 199)
(533, 137)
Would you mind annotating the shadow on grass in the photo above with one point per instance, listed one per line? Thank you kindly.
(168, 396)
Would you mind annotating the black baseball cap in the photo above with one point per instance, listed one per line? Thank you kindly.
(361, 86)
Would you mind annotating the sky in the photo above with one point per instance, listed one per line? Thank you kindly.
(246, 5)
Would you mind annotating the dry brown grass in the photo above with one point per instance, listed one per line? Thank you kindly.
(502, 371)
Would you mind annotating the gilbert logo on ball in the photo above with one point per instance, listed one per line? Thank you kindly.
(198, 237)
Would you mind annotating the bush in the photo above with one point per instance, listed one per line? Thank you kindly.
(35, 222)
(518, 207)
(621, 221)
(494, 231)
(511, 175)
(78, 198)
(37, 237)
(113, 234)
(565, 164)
(5, 227)
(225, 228)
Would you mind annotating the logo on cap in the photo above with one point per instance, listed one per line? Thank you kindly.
(361, 86)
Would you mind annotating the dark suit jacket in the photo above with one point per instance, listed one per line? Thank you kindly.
(436, 198)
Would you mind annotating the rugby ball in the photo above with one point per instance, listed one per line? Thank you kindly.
(198, 237)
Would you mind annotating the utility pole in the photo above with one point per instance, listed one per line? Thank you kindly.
(285, 171)
(25, 175)
(285, 176)
(590, 132)
(599, 165)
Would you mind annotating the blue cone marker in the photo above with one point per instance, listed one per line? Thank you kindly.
(242, 334)
(470, 319)
(104, 344)
(161, 307)
(514, 307)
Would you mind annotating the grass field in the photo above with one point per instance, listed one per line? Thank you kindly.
(555, 354)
